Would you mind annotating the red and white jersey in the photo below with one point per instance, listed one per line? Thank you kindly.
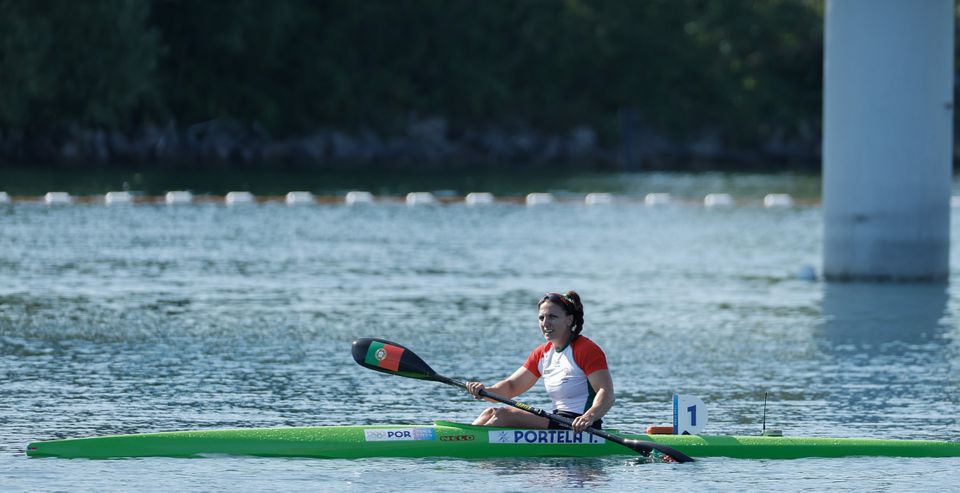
(565, 372)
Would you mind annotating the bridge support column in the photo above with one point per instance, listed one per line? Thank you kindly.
(887, 139)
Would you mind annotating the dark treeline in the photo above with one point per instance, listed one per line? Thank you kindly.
(254, 81)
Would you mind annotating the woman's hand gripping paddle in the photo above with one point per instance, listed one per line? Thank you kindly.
(390, 357)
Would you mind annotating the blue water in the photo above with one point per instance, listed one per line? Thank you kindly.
(156, 318)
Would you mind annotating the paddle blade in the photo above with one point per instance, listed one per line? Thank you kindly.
(390, 357)
(645, 448)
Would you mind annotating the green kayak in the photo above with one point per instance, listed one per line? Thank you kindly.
(446, 439)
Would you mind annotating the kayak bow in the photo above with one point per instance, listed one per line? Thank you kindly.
(446, 439)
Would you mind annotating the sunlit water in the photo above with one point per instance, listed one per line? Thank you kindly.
(154, 318)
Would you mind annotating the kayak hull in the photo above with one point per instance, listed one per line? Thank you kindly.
(447, 439)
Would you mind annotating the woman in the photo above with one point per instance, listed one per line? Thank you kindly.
(574, 371)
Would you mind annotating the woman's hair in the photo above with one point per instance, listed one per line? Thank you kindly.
(570, 302)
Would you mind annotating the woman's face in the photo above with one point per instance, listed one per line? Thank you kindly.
(555, 324)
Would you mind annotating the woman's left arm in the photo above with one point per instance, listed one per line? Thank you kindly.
(602, 382)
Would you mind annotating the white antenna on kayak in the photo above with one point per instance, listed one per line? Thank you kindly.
(773, 432)
(763, 430)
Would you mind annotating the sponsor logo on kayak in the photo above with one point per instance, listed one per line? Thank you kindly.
(395, 434)
(457, 438)
(544, 436)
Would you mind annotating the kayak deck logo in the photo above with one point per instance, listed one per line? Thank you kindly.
(457, 438)
(399, 434)
(544, 437)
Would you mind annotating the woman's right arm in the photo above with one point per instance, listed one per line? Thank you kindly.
(512, 386)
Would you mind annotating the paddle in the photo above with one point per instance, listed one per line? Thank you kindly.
(390, 357)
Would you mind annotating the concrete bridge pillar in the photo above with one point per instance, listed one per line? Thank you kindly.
(887, 139)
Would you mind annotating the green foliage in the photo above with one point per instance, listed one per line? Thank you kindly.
(760, 67)
(23, 42)
(745, 69)
(66, 62)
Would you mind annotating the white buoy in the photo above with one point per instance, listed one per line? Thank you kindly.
(807, 273)
(478, 198)
(299, 198)
(239, 198)
(57, 198)
(539, 198)
(653, 199)
(358, 197)
(178, 197)
(115, 198)
(598, 198)
(4, 198)
(777, 200)
(955, 201)
(420, 198)
(718, 200)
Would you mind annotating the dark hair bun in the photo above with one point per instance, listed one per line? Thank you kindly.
(577, 312)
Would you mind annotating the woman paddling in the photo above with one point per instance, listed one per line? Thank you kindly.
(574, 371)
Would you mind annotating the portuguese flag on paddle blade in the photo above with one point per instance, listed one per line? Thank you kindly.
(384, 355)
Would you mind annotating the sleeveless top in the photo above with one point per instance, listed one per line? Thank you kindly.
(565, 372)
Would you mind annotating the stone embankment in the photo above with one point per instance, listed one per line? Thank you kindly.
(423, 143)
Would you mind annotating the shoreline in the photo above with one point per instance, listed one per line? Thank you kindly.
(428, 145)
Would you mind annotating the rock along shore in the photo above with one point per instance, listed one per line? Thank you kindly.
(424, 143)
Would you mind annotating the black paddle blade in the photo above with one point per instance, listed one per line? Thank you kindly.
(645, 448)
(390, 357)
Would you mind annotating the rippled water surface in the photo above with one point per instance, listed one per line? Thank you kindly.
(156, 318)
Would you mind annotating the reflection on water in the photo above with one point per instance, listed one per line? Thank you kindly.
(888, 359)
(881, 317)
(552, 473)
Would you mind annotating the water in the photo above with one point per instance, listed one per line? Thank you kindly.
(154, 318)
